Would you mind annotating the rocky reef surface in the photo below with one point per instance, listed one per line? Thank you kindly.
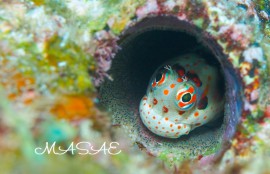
(56, 56)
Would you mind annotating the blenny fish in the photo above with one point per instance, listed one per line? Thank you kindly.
(182, 94)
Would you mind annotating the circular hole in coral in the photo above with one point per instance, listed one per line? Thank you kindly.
(144, 47)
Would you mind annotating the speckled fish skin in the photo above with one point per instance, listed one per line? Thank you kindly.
(182, 94)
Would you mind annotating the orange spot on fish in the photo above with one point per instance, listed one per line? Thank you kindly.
(205, 92)
(166, 92)
(181, 112)
(155, 101)
(179, 69)
(179, 80)
(165, 109)
(172, 85)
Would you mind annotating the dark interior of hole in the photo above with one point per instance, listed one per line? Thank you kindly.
(147, 51)
(143, 53)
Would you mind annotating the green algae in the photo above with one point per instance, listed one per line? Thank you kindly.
(263, 5)
(72, 61)
(67, 62)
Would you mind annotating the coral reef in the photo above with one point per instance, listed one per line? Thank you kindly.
(57, 59)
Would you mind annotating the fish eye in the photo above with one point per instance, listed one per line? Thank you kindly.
(186, 97)
(158, 77)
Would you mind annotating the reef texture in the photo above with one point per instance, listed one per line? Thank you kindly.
(53, 55)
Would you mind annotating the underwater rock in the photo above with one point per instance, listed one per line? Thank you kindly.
(162, 30)
(144, 48)
(57, 56)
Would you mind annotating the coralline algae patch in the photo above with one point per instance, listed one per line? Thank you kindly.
(53, 53)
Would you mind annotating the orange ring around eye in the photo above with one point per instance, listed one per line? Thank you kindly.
(162, 80)
(181, 104)
(190, 90)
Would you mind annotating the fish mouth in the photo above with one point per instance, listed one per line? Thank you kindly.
(144, 47)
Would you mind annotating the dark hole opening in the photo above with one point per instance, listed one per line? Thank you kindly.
(144, 52)
(144, 49)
